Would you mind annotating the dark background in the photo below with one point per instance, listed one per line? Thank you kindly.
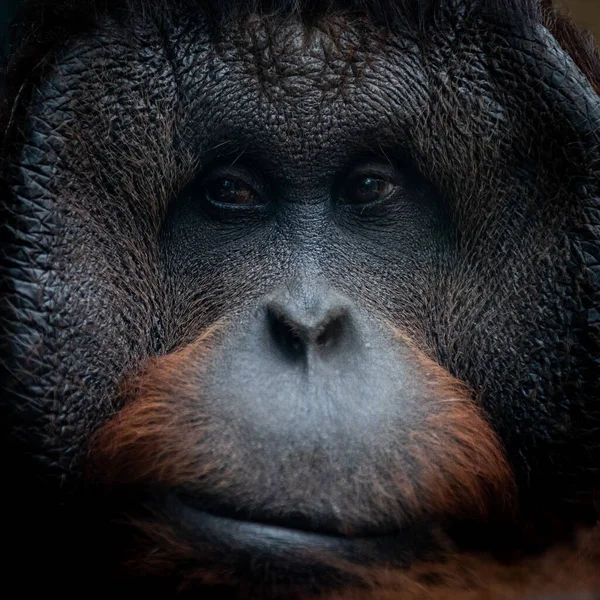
(585, 12)
(7, 8)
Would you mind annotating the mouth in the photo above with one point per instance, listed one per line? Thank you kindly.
(292, 539)
(197, 541)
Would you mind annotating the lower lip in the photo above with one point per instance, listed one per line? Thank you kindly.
(284, 542)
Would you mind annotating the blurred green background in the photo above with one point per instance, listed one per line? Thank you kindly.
(585, 12)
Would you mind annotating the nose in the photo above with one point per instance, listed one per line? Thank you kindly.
(307, 369)
(297, 328)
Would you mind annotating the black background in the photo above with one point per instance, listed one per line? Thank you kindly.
(585, 12)
(7, 9)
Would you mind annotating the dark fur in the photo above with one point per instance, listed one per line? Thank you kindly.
(159, 436)
(41, 25)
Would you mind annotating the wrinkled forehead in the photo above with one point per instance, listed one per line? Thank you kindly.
(295, 90)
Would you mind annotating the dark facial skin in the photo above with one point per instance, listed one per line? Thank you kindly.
(298, 311)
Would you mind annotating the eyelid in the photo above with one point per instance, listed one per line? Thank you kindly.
(389, 176)
(232, 173)
(360, 174)
(375, 168)
(374, 176)
(247, 178)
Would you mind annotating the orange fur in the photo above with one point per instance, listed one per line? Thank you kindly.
(164, 435)
(161, 437)
(569, 571)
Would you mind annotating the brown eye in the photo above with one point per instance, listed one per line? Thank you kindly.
(365, 190)
(227, 190)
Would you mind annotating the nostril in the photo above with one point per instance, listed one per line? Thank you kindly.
(289, 338)
(330, 333)
(295, 333)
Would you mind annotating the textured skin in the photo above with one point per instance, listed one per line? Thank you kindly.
(102, 268)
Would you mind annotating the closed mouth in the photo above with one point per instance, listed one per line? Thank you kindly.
(292, 521)
(209, 522)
